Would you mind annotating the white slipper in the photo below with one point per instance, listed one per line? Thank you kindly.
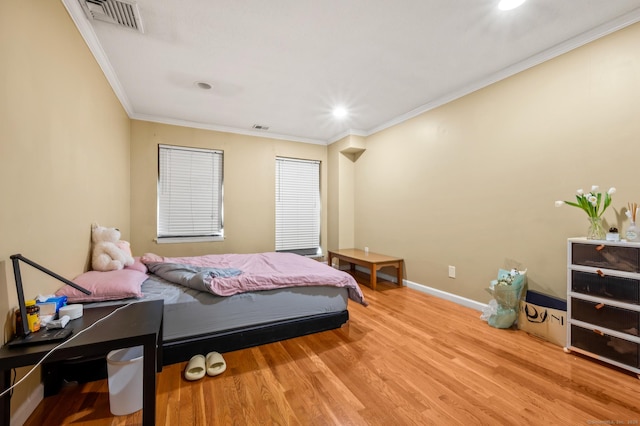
(215, 364)
(195, 368)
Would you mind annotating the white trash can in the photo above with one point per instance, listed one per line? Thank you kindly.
(124, 367)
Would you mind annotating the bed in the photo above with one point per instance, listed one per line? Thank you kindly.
(275, 296)
(225, 302)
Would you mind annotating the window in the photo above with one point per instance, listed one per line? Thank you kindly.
(189, 194)
(298, 206)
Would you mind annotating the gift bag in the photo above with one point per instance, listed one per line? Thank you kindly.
(506, 291)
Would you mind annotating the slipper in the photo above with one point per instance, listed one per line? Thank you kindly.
(215, 364)
(195, 368)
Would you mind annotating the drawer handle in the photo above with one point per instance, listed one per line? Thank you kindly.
(600, 247)
(599, 306)
(598, 332)
(599, 272)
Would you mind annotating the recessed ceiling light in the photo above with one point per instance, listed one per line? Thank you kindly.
(509, 4)
(339, 112)
(203, 85)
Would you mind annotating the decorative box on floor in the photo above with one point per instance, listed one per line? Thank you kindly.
(544, 316)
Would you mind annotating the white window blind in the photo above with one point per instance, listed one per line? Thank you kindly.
(189, 192)
(297, 205)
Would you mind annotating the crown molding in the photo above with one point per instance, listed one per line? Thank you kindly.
(553, 52)
(225, 129)
(90, 37)
(88, 34)
(349, 132)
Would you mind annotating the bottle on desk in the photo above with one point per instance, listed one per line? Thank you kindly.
(33, 318)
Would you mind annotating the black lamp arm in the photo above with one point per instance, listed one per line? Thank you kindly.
(49, 272)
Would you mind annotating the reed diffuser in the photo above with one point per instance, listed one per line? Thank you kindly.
(632, 233)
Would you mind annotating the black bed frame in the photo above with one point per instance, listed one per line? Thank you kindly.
(231, 340)
(179, 350)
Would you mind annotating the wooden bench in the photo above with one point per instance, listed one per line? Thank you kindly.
(373, 261)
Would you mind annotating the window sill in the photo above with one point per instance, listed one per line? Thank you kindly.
(178, 240)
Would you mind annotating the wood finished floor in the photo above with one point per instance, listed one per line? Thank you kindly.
(407, 359)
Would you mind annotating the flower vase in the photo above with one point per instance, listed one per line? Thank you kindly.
(595, 231)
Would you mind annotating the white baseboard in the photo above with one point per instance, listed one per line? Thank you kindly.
(23, 412)
(447, 296)
(432, 291)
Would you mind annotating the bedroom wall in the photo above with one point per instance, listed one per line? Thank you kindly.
(342, 156)
(249, 187)
(473, 183)
(64, 155)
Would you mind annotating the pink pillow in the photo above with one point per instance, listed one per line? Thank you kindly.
(137, 265)
(110, 285)
(151, 258)
(125, 247)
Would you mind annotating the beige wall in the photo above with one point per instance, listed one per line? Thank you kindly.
(249, 187)
(473, 183)
(64, 152)
(342, 156)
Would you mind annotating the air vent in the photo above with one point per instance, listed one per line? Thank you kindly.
(260, 127)
(119, 12)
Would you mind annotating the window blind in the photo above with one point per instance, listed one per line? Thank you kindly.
(297, 205)
(189, 192)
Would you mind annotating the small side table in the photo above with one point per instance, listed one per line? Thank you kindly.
(139, 323)
(373, 261)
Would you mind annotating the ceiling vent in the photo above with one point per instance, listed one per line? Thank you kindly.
(119, 12)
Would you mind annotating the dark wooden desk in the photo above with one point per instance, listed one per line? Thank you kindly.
(372, 261)
(137, 324)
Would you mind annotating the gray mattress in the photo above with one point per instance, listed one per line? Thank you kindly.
(190, 312)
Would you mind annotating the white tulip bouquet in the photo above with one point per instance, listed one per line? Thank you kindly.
(594, 203)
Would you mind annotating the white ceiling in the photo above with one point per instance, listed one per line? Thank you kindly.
(286, 63)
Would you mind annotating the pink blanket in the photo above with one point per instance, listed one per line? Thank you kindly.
(266, 271)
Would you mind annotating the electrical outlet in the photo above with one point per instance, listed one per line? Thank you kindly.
(452, 271)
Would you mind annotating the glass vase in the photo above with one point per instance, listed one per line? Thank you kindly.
(595, 231)
(632, 233)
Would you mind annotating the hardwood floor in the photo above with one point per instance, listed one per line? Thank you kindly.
(408, 358)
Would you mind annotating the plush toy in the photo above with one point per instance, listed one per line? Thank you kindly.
(109, 252)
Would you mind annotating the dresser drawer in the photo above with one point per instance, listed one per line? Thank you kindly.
(611, 317)
(606, 346)
(625, 290)
(608, 257)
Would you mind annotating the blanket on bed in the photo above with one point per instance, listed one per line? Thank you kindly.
(229, 274)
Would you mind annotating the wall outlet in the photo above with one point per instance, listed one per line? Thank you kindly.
(452, 271)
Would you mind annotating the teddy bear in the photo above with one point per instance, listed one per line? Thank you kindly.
(109, 252)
